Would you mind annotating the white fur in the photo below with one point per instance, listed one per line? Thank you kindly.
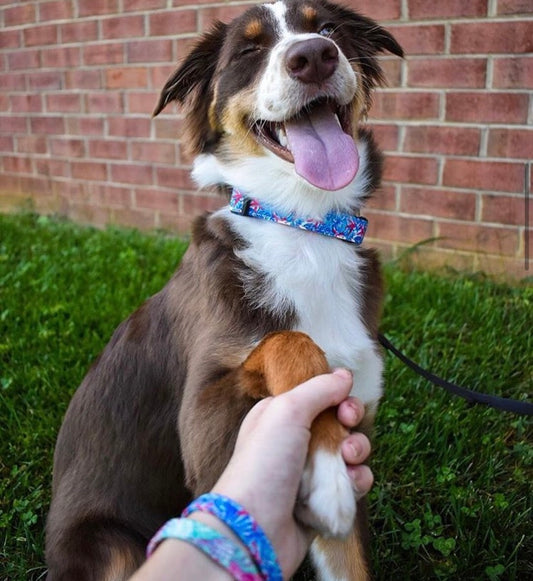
(280, 96)
(274, 181)
(326, 499)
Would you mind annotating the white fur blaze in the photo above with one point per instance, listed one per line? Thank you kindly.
(326, 499)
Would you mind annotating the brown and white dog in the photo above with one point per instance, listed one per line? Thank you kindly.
(273, 103)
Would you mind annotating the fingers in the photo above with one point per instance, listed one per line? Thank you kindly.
(350, 412)
(362, 479)
(355, 449)
(310, 398)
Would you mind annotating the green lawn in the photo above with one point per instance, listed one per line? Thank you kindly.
(453, 494)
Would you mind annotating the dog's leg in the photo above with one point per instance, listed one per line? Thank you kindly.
(344, 559)
(94, 550)
(326, 499)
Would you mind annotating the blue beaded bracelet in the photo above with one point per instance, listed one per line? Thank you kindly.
(245, 527)
(216, 546)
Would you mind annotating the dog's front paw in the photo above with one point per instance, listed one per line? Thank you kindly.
(326, 499)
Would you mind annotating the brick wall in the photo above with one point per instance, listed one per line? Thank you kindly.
(79, 79)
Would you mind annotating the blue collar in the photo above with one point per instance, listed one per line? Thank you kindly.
(335, 224)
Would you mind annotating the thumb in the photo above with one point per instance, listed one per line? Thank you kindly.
(310, 398)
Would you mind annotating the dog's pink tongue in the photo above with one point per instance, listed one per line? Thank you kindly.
(323, 154)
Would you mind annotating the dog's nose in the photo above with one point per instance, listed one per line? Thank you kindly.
(312, 61)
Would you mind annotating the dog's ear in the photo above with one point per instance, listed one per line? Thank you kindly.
(383, 40)
(196, 72)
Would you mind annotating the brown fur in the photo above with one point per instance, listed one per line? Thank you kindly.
(155, 420)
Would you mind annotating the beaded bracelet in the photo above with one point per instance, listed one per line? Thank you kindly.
(216, 546)
(245, 527)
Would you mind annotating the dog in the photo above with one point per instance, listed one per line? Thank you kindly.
(273, 104)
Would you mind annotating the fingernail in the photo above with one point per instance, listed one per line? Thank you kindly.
(344, 373)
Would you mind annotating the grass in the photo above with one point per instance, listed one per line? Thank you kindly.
(453, 498)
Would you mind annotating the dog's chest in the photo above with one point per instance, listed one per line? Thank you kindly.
(321, 279)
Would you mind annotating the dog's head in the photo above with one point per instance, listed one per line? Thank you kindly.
(278, 94)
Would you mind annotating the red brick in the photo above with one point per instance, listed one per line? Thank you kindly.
(7, 143)
(26, 103)
(502, 267)
(45, 80)
(154, 152)
(16, 164)
(24, 13)
(509, 143)
(392, 71)
(123, 26)
(109, 195)
(142, 5)
(13, 81)
(143, 219)
(108, 149)
(515, 7)
(86, 126)
(513, 73)
(420, 39)
(387, 136)
(92, 7)
(157, 200)
(438, 203)
(159, 76)
(63, 56)
(383, 199)
(129, 126)
(385, 226)
(63, 103)
(52, 167)
(39, 35)
(126, 78)
(167, 127)
(390, 10)
(447, 73)
(423, 9)
(10, 124)
(149, 51)
(442, 139)
(83, 79)
(503, 209)
(89, 214)
(89, 170)
(105, 102)
(478, 238)
(103, 53)
(11, 39)
(483, 175)
(24, 59)
(132, 174)
(4, 102)
(487, 107)
(405, 105)
(32, 144)
(49, 125)
(55, 10)
(208, 16)
(64, 147)
(83, 31)
(142, 102)
(173, 23)
(413, 169)
(174, 178)
(492, 37)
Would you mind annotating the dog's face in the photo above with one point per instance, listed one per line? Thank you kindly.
(283, 86)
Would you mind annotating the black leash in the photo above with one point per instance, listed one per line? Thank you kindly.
(472, 397)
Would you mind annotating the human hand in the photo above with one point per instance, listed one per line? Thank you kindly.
(265, 470)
